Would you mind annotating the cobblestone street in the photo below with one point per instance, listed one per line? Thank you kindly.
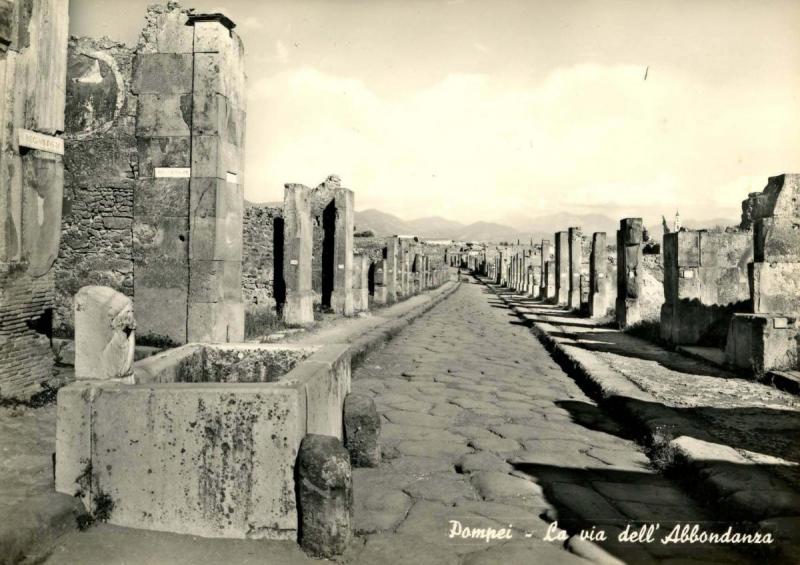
(482, 427)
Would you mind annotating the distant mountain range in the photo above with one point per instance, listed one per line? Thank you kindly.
(513, 228)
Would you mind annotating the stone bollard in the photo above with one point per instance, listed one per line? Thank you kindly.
(104, 333)
(324, 496)
(362, 428)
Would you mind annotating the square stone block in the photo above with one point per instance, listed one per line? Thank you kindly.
(156, 197)
(776, 288)
(757, 343)
(172, 152)
(161, 312)
(215, 281)
(163, 73)
(216, 322)
(164, 115)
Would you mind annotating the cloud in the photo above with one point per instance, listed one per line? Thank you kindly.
(472, 147)
(281, 51)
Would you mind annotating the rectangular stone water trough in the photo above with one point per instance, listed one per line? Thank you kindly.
(203, 438)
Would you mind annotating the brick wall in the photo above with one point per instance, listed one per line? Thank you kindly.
(258, 255)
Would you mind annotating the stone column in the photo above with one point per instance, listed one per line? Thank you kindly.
(575, 258)
(600, 283)
(629, 258)
(188, 200)
(360, 283)
(392, 268)
(562, 268)
(33, 62)
(297, 250)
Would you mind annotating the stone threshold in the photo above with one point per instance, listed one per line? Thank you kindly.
(719, 475)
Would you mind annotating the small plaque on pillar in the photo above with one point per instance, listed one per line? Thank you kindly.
(232, 178)
(172, 172)
(341, 266)
(294, 262)
(40, 141)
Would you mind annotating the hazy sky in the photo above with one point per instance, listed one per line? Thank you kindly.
(493, 109)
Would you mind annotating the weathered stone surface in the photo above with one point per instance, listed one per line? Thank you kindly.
(362, 428)
(325, 496)
(561, 268)
(575, 253)
(482, 461)
(104, 334)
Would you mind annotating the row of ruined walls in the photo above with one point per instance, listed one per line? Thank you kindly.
(101, 163)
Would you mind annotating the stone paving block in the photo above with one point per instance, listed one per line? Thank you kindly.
(482, 461)
(495, 445)
(446, 488)
(384, 548)
(491, 485)
(433, 448)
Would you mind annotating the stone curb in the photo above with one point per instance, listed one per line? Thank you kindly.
(34, 524)
(377, 337)
(712, 471)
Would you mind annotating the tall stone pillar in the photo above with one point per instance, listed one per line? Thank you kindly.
(342, 293)
(549, 288)
(600, 283)
(360, 282)
(297, 250)
(33, 62)
(547, 251)
(629, 274)
(562, 268)
(188, 200)
(575, 258)
(332, 264)
(391, 268)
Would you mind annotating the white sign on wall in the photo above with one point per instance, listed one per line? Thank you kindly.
(173, 172)
(40, 141)
(232, 178)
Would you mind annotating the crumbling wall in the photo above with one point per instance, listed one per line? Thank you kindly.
(100, 164)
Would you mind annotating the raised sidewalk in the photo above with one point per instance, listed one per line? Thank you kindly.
(733, 441)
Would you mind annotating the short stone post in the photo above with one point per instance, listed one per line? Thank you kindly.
(297, 249)
(575, 258)
(104, 334)
(562, 268)
(362, 428)
(325, 496)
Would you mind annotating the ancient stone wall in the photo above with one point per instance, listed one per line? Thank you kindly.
(260, 247)
(33, 58)
(100, 164)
